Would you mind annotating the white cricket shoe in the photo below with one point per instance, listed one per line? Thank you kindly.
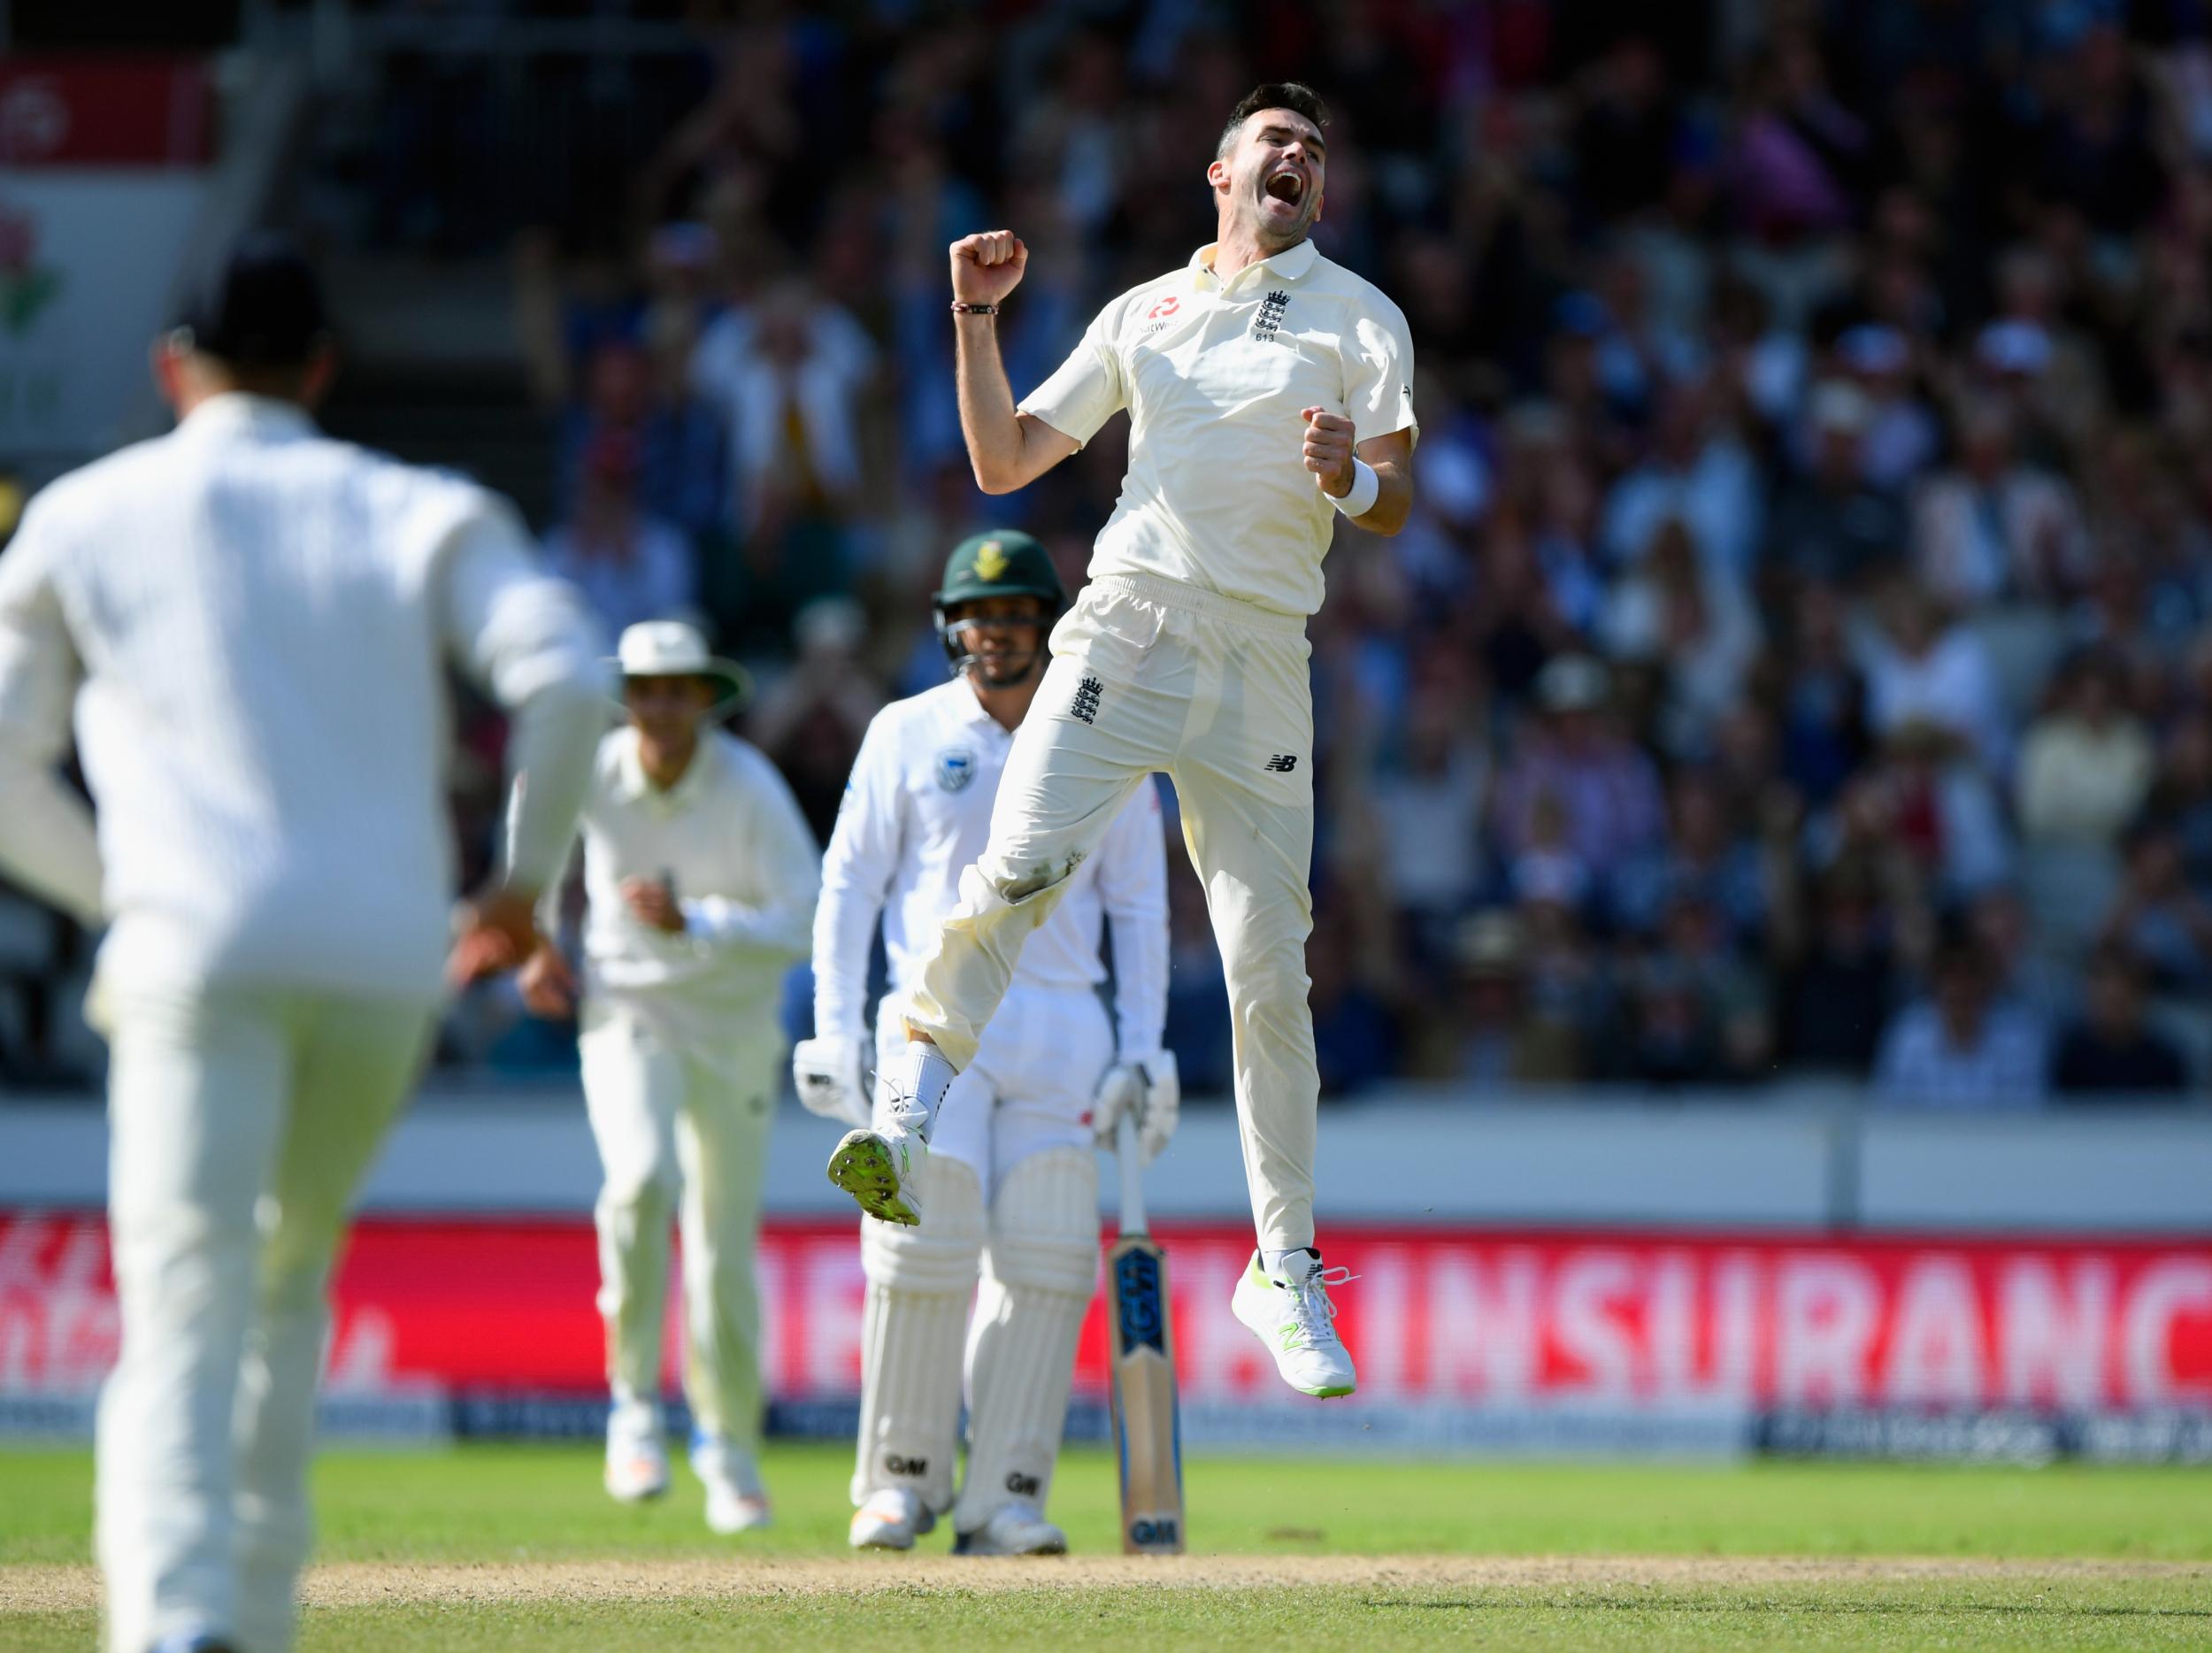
(1016, 1528)
(880, 1166)
(637, 1456)
(1294, 1317)
(891, 1518)
(730, 1510)
(736, 1501)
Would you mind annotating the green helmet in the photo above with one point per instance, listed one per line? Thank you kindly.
(997, 562)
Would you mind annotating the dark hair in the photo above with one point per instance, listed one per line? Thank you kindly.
(1292, 94)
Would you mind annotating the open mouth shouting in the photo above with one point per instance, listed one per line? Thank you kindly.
(1288, 184)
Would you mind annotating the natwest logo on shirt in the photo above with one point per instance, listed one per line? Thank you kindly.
(1167, 306)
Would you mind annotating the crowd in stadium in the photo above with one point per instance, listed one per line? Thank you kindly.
(1799, 661)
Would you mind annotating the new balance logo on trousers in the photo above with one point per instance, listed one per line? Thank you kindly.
(1281, 763)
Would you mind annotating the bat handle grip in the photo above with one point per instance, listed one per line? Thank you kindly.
(1131, 1166)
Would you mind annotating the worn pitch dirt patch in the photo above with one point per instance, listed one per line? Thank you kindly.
(399, 1583)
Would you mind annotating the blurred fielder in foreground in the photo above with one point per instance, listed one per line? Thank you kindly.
(1013, 1182)
(1270, 391)
(700, 875)
(252, 623)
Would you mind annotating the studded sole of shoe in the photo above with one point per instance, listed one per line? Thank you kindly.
(863, 1169)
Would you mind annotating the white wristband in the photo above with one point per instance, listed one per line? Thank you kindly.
(1365, 490)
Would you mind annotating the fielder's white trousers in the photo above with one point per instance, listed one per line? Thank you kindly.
(241, 1123)
(1150, 674)
(682, 1138)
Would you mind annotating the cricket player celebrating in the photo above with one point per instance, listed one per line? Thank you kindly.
(700, 875)
(252, 623)
(1047, 1077)
(1270, 391)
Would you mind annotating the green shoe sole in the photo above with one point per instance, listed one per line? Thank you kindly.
(862, 1167)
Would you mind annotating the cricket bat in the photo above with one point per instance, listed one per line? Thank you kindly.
(1148, 1422)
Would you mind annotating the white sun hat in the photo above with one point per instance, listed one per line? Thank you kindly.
(673, 648)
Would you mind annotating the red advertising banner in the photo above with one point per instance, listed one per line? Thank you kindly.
(104, 111)
(1449, 1325)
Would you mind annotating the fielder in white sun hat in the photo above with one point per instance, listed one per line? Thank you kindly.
(673, 648)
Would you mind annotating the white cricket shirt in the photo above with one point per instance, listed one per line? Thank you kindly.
(917, 814)
(252, 623)
(730, 838)
(1215, 375)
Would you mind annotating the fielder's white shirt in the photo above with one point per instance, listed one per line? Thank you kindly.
(917, 814)
(1215, 375)
(252, 623)
(730, 839)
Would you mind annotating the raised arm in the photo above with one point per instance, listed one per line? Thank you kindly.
(1334, 445)
(1369, 477)
(1007, 448)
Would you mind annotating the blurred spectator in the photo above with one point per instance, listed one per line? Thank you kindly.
(1919, 671)
(1821, 696)
(2182, 795)
(1578, 785)
(1898, 436)
(629, 565)
(1961, 1049)
(1705, 859)
(679, 445)
(1498, 1042)
(2111, 1049)
(1697, 626)
(1831, 523)
(1698, 476)
(2086, 765)
(1569, 996)
(1430, 806)
(1994, 527)
(811, 719)
(1355, 1043)
(1838, 975)
(2158, 916)
(786, 375)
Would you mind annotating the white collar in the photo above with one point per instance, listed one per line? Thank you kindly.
(633, 784)
(1287, 265)
(236, 409)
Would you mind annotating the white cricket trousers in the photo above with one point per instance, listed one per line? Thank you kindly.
(1150, 674)
(241, 1122)
(682, 1139)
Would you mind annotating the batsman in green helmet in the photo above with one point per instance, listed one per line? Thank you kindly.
(1055, 1076)
(999, 599)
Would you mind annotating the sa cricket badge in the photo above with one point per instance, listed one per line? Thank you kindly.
(991, 561)
(956, 767)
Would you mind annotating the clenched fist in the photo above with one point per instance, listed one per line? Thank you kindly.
(987, 267)
(1328, 450)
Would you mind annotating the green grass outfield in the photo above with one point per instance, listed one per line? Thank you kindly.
(515, 1548)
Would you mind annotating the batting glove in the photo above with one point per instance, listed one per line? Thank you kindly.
(1152, 1090)
(830, 1074)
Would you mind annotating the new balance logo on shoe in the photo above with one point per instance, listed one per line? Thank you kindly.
(1087, 694)
(1281, 763)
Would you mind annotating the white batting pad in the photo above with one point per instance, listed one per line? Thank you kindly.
(920, 1281)
(1037, 1284)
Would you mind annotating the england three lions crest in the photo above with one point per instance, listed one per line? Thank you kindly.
(956, 767)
